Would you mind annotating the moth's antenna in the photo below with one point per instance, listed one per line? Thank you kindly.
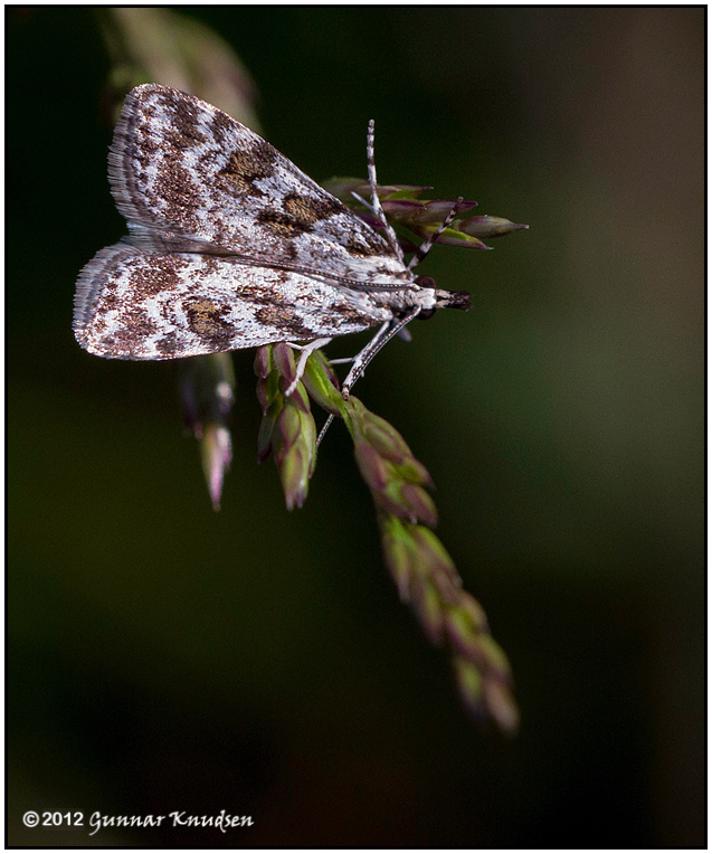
(427, 244)
(376, 206)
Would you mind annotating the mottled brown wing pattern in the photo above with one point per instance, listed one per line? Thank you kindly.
(188, 177)
(131, 304)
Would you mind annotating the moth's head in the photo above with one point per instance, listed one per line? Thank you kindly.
(443, 299)
(453, 299)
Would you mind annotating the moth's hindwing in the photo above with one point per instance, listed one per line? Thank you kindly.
(188, 177)
(135, 305)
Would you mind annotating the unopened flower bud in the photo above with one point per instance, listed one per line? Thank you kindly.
(216, 455)
(487, 226)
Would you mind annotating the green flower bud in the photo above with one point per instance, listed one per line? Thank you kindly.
(487, 226)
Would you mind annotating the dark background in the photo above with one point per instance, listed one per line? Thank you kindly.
(163, 657)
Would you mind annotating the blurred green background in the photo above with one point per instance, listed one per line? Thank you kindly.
(163, 657)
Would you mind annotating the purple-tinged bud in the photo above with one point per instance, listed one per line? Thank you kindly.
(385, 438)
(469, 684)
(474, 611)
(434, 554)
(294, 474)
(206, 387)
(289, 427)
(266, 433)
(373, 468)
(263, 362)
(287, 430)
(293, 446)
(389, 503)
(448, 586)
(492, 657)
(420, 504)
(480, 648)
(299, 397)
(283, 359)
(487, 226)
(402, 191)
(308, 438)
(428, 609)
(501, 705)
(461, 635)
(343, 188)
(453, 237)
(397, 555)
(216, 454)
(404, 210)
(420, 211)
(385, 443)
(263, 396)
(414, 471)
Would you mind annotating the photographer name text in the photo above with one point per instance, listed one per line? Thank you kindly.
(98, 821)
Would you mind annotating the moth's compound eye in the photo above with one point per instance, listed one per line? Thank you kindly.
(425, 282)
(426, 313)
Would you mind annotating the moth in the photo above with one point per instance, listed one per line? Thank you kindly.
(231, 246)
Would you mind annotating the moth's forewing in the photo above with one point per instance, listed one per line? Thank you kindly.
(188, 176)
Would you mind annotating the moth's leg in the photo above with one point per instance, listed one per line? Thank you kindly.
(376, 206)
(382, 332)
(323, 430)
(361, 360)
(305, 351)
(403, 334)
(367, 205)
(427, 244)
(379, 340)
